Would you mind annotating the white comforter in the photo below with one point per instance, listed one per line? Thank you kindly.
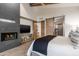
(59, 46)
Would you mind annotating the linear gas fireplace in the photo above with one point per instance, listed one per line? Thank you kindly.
(8, 36)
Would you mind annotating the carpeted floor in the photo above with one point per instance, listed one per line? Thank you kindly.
(17, 51)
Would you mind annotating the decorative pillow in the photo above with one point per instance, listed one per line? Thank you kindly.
(74, 36)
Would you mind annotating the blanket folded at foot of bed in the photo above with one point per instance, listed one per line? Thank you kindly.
(40, 45)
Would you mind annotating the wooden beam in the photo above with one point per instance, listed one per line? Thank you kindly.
(35, 4)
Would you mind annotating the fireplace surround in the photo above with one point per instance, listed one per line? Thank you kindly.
(9, 26)
(9, 36)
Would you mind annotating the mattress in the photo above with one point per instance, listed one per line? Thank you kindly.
(59, 46)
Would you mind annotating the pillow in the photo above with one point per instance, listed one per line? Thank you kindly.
(74, 36)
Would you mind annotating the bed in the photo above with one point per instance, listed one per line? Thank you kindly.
(57, 46)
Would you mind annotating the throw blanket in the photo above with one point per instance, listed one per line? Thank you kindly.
(40, 45)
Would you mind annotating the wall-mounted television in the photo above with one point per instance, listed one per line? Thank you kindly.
(24, 28)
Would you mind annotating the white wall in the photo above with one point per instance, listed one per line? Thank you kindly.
(71, 15)
(26, 11)
(39, 28)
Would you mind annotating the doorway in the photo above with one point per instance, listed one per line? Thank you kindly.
(55, 25)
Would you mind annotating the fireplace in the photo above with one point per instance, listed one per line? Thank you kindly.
(8, 36)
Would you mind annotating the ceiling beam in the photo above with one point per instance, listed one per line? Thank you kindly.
(40, 4)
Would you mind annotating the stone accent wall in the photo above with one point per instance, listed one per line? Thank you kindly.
(10, 12)
(42, 28)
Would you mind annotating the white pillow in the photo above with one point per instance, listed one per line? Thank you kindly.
(74, 36)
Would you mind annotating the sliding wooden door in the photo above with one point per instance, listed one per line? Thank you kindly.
(34, 29)
(49, 26)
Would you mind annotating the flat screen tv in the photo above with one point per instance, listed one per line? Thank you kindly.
(24, 28)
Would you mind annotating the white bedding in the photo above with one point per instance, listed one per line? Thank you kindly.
(59, 46)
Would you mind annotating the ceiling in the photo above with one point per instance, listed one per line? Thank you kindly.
(40, 4)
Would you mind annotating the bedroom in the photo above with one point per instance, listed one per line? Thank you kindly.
(59, 20)
(67, 12)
